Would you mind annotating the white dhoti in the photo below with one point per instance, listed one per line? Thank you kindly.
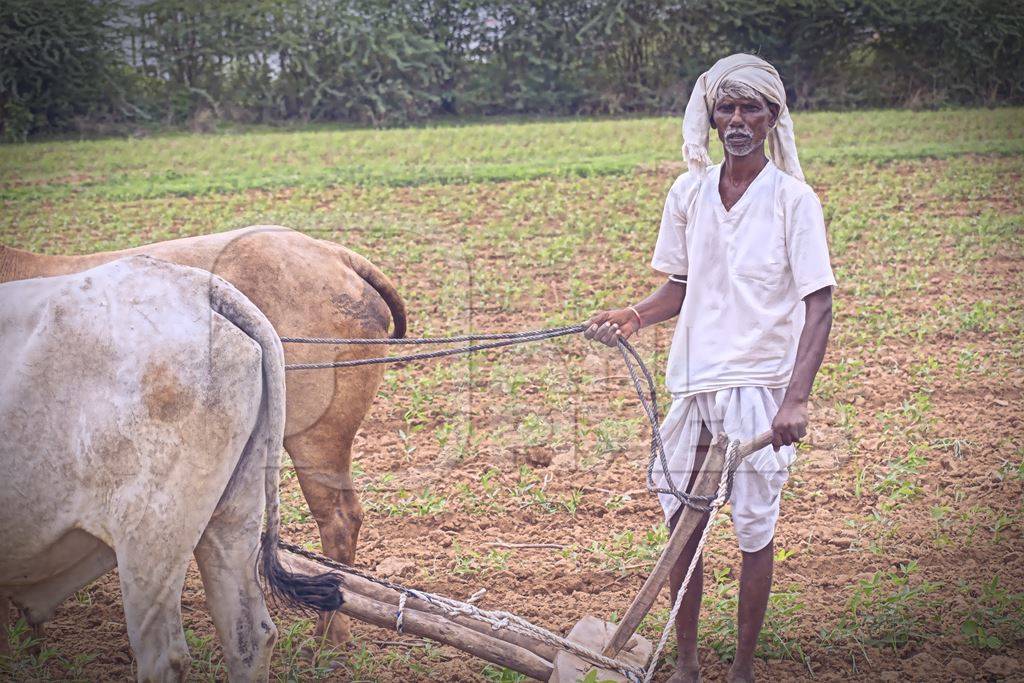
(742, 413)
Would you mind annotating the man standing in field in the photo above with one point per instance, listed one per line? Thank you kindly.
(743, 243)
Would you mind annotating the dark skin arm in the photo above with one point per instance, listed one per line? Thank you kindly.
(664, 303)
(790, 423)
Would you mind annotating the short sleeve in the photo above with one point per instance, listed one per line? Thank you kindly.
(807, 245)
(670, 250)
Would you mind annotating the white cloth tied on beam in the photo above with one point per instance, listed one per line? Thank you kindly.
(761, 76)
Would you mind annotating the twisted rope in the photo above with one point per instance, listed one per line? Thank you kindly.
(650, 407)
(506, 620)
(400, 617)
(722, 495)
(507, 339)
(496, 619)
(648, 398)
(414, 341)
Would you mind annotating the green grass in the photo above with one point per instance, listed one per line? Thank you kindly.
(186, 165)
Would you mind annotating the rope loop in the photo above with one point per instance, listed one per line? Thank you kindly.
(643, 382)
(400, 616)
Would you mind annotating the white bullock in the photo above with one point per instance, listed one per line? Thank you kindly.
(142, 412)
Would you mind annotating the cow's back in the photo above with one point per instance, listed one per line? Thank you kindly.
(124, 393)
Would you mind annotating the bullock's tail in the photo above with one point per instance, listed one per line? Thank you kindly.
(321, 592)
(380, 282)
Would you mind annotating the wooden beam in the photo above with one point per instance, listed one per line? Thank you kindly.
(444, 631)
(378, 605)
(706, 484)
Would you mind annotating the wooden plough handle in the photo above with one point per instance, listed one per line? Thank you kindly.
(706, 484)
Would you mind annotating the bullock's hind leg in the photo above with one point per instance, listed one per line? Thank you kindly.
(226, 556)
(151, 592)
(323, 458)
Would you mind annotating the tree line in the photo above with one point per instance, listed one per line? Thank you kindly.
(385, 62)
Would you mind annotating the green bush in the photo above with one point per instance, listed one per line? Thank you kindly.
(384, 63)
(55, 63)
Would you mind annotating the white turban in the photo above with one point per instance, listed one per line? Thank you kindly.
(762, 77)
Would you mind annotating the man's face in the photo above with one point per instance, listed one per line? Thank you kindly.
(742, 123)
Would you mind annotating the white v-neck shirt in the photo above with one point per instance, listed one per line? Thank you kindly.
(748, 270)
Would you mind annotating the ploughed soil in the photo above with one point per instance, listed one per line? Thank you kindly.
(899, 548)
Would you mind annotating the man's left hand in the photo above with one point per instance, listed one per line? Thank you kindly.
(789, 425)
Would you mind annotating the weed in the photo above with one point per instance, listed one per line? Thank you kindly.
(627, 552)
(1009, 471)
(781, 555)
(617, 500)
(300, 656)
(847, 416)
(980, 317)
(484, 498)
(887, 610)
(613, 435)
(30, 659)
(572, 502)
(469, 562)
(718, 623)
(206, 663)
(535, 431)
(293, 507)
(1001, 522)
(401, 502)
(496, 674)
(898, 479)
(997, 617)
(425, 502)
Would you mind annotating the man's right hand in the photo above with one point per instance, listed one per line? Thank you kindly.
(607, 326)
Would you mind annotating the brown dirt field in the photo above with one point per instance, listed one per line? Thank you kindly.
(915, 457)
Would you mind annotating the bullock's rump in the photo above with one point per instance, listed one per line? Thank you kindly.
(123, 396)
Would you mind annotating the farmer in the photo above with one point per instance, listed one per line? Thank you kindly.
(743, 244)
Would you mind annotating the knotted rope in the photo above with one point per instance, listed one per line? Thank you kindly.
(498, 619)
(648, 398)
(721, 496)
(506, 620)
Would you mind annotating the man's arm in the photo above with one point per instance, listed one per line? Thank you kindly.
(790, 424)
(664, 303)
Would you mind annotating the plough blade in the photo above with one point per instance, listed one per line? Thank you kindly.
(595, 634)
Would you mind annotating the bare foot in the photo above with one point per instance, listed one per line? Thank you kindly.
(685, 675)
(740, 674)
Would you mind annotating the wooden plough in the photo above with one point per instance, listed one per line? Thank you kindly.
(532, 651)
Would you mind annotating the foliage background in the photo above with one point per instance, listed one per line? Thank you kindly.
(82, 64)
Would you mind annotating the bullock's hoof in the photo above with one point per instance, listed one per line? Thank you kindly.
(334, 629)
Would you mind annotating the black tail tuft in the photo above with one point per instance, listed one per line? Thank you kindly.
(321, 592)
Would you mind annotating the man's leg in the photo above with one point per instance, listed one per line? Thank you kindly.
(755, 588)
(687, 664)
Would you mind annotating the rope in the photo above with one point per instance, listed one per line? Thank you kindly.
(724, 488)
(495, 618)
(400, 617)
(407, 341)
(648, 398)
(506, 620)
(508, 339)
